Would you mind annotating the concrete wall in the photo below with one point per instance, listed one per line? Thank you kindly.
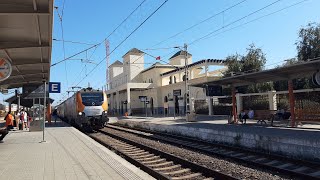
(297, 144)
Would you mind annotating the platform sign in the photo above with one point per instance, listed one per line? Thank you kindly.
(5, 69)
(214, 90)
(177, 92)
(54, 87)
(143, 98)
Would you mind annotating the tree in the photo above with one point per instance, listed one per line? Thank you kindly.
(308, 45)
(234, 64)
(253, 61)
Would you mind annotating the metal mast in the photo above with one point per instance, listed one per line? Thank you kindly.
(107, 63)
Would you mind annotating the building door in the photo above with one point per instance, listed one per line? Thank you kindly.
(176, 104)
(151, 106)
(121, 111)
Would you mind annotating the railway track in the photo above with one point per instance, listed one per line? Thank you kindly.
(158, 164)
(295, 168)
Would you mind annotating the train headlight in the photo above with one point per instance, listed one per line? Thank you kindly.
(80, 113)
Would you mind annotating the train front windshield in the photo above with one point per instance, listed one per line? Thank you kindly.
(92, 99)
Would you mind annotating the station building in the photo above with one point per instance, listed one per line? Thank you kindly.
(162, 85)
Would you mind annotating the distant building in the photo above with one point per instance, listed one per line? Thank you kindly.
(129, 80)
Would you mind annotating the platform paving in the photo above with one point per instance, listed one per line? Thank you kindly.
(66, 154)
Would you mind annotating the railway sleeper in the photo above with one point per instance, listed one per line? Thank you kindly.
(124, 145)
(175, 173)
(144, 156)
(137, 153)
(189, 176)
(130, 148)
(134, 150)
(168, 163)
(154, 161)
(168, 168)
(148, 159)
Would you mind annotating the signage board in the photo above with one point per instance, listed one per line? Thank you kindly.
(213, 90)
(143, 98)
(177, 92)
(54, 87)
(5, 69)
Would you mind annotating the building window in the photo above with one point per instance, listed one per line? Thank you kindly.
(174, 79)
(165, 99)
(151, 81)
(170, 80)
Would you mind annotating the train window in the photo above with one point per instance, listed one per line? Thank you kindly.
(92, 99)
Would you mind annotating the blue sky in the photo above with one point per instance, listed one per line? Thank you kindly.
(92, 21)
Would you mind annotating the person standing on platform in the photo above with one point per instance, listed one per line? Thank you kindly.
(9, 125)
(3, 133)
(9, 121)
(251, 113)
(55, 115)
(25, 119)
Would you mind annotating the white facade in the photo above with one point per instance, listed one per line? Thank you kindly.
(129, 80)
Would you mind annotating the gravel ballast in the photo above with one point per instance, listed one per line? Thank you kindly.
(227, 166)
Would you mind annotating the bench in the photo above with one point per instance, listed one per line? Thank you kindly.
(263, 115)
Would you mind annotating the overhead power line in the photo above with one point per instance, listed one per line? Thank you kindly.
(202, 21)
(126, 38)
(263, 16)
(98, 44)
(74, 42)
(233, 22)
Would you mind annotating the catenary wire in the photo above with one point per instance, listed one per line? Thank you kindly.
(198, 23)
(125, 39)
(98, 44)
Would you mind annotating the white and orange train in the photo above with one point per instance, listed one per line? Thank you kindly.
(87, 109)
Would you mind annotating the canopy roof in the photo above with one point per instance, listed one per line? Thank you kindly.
(27, 102)
(26, 40)
(298, 70)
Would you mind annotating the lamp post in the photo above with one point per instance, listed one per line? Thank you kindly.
(185, 48)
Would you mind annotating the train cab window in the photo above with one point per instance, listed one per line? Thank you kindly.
(92, 98)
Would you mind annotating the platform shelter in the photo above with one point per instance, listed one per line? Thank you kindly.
(288, 73)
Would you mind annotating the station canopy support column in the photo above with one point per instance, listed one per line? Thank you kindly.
(234, 109)
(291, 101)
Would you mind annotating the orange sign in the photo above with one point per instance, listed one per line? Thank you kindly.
(5, 69)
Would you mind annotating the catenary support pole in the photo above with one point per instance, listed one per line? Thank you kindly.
(234, 110)
(44, 109)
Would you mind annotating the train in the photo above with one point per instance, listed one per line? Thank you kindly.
(87, 109)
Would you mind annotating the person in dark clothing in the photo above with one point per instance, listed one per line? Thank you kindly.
(243, 116)
(55, 115)
(3, 133)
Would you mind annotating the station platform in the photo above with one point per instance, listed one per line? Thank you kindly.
(292, 142)
(66, 154)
